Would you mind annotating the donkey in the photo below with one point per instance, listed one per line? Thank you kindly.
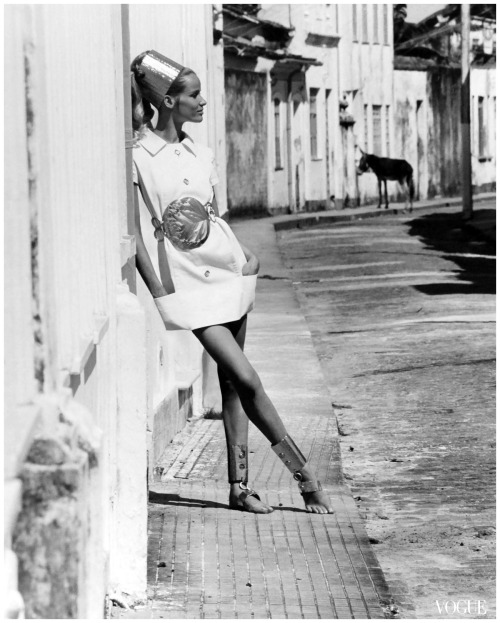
(388, 169)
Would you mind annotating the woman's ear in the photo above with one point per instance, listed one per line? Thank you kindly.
(169, 101)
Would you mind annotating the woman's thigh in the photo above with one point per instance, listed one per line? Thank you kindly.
(224, 343)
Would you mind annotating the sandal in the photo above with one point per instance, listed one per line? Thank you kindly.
(243, 502)
(296, 463)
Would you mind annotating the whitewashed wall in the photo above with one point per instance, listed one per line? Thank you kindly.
(483, 84)
(366, 73)
(65, 69)
(319, 19)
(20, 387)
(174, 360)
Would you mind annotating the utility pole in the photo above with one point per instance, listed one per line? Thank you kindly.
(465, 115)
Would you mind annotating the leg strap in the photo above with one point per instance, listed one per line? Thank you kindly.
(295, 461)
(237, 463)
(290, 454)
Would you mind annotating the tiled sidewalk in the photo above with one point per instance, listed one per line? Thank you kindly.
(206, 561)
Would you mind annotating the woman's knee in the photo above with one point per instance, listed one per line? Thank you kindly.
(247, 383)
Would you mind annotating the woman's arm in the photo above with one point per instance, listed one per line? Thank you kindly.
(144, 264)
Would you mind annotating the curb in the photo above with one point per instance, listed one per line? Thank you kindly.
(282, 223)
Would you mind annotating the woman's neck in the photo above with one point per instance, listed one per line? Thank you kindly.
(167, 129)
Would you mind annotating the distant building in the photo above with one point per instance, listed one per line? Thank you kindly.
(306, 84)
(427, 82)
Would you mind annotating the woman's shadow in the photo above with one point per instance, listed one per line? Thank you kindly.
(174, 499)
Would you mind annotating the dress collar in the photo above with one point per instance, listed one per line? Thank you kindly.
(153, 143)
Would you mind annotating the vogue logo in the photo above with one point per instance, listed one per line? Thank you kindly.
(462, 606)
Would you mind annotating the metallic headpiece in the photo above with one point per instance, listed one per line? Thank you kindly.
(159, 74)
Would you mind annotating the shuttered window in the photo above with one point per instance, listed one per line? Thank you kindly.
(313, 121)
(386, 24)
(388, 131)
(377, 130)
(365, 125)
(365, 22)
(481, 122)
(277, 135)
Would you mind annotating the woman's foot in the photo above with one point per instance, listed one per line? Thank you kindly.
(316, 501)
(243, 498)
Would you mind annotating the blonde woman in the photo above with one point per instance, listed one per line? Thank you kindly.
(201, 278)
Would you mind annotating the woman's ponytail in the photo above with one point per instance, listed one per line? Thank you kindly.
(142, 111)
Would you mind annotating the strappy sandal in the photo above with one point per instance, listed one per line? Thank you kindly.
(237, 466)
(295, 462)
(242, 502)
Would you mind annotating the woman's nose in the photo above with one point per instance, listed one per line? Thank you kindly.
(203, 102)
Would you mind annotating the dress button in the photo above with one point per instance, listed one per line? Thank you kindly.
(207, 273)
(186, 181)
(177, 152)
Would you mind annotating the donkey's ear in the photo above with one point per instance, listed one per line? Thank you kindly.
(361, 150)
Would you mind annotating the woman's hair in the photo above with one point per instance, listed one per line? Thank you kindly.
(142, 109)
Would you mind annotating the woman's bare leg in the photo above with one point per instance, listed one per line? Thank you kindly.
(235, 419)
(221, 344)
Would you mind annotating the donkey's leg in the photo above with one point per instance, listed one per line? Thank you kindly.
(386, 198)
(379, 192)
(411, 190)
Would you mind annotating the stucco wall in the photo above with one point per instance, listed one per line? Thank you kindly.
(483, 84)
(246, 141)
(174, 359)
(444, 141)
(366, 77)
(70, 545)
(411, 125)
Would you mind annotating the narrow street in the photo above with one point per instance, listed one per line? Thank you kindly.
(402, 314)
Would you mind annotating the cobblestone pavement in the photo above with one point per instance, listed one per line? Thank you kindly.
(402, 313)
(206, 561)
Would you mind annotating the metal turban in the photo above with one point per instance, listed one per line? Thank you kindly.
(159, 74)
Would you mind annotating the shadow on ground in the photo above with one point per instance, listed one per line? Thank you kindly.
(474, 255)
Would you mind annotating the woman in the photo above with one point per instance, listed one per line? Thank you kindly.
(201, 278)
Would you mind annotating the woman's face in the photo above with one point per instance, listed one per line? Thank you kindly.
(190, 103)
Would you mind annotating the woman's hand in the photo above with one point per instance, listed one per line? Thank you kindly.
(252, 266)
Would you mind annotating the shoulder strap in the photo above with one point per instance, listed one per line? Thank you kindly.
(144, 193)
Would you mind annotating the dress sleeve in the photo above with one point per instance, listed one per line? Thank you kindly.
(214, 176)
(135, 176)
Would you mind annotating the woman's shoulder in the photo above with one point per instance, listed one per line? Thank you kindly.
(198, 148)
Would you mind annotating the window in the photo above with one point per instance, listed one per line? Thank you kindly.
(377, 130)
(354, 22)
(365, 124)
(277, 135)
(375, 23)
(385, 19)
(313, 121)
(365, 22)
(388, 131)
(481, 127)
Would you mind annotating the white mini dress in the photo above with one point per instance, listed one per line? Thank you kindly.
(209, 286)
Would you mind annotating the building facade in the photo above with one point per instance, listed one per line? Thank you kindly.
(427, 100)
(95, 387)
(326, 86)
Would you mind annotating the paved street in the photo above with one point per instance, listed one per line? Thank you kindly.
(206, 561)
(402, 311)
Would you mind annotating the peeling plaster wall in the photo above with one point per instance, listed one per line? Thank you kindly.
(428, 129)
(246, 141)
(411, 127)
(444, 139)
